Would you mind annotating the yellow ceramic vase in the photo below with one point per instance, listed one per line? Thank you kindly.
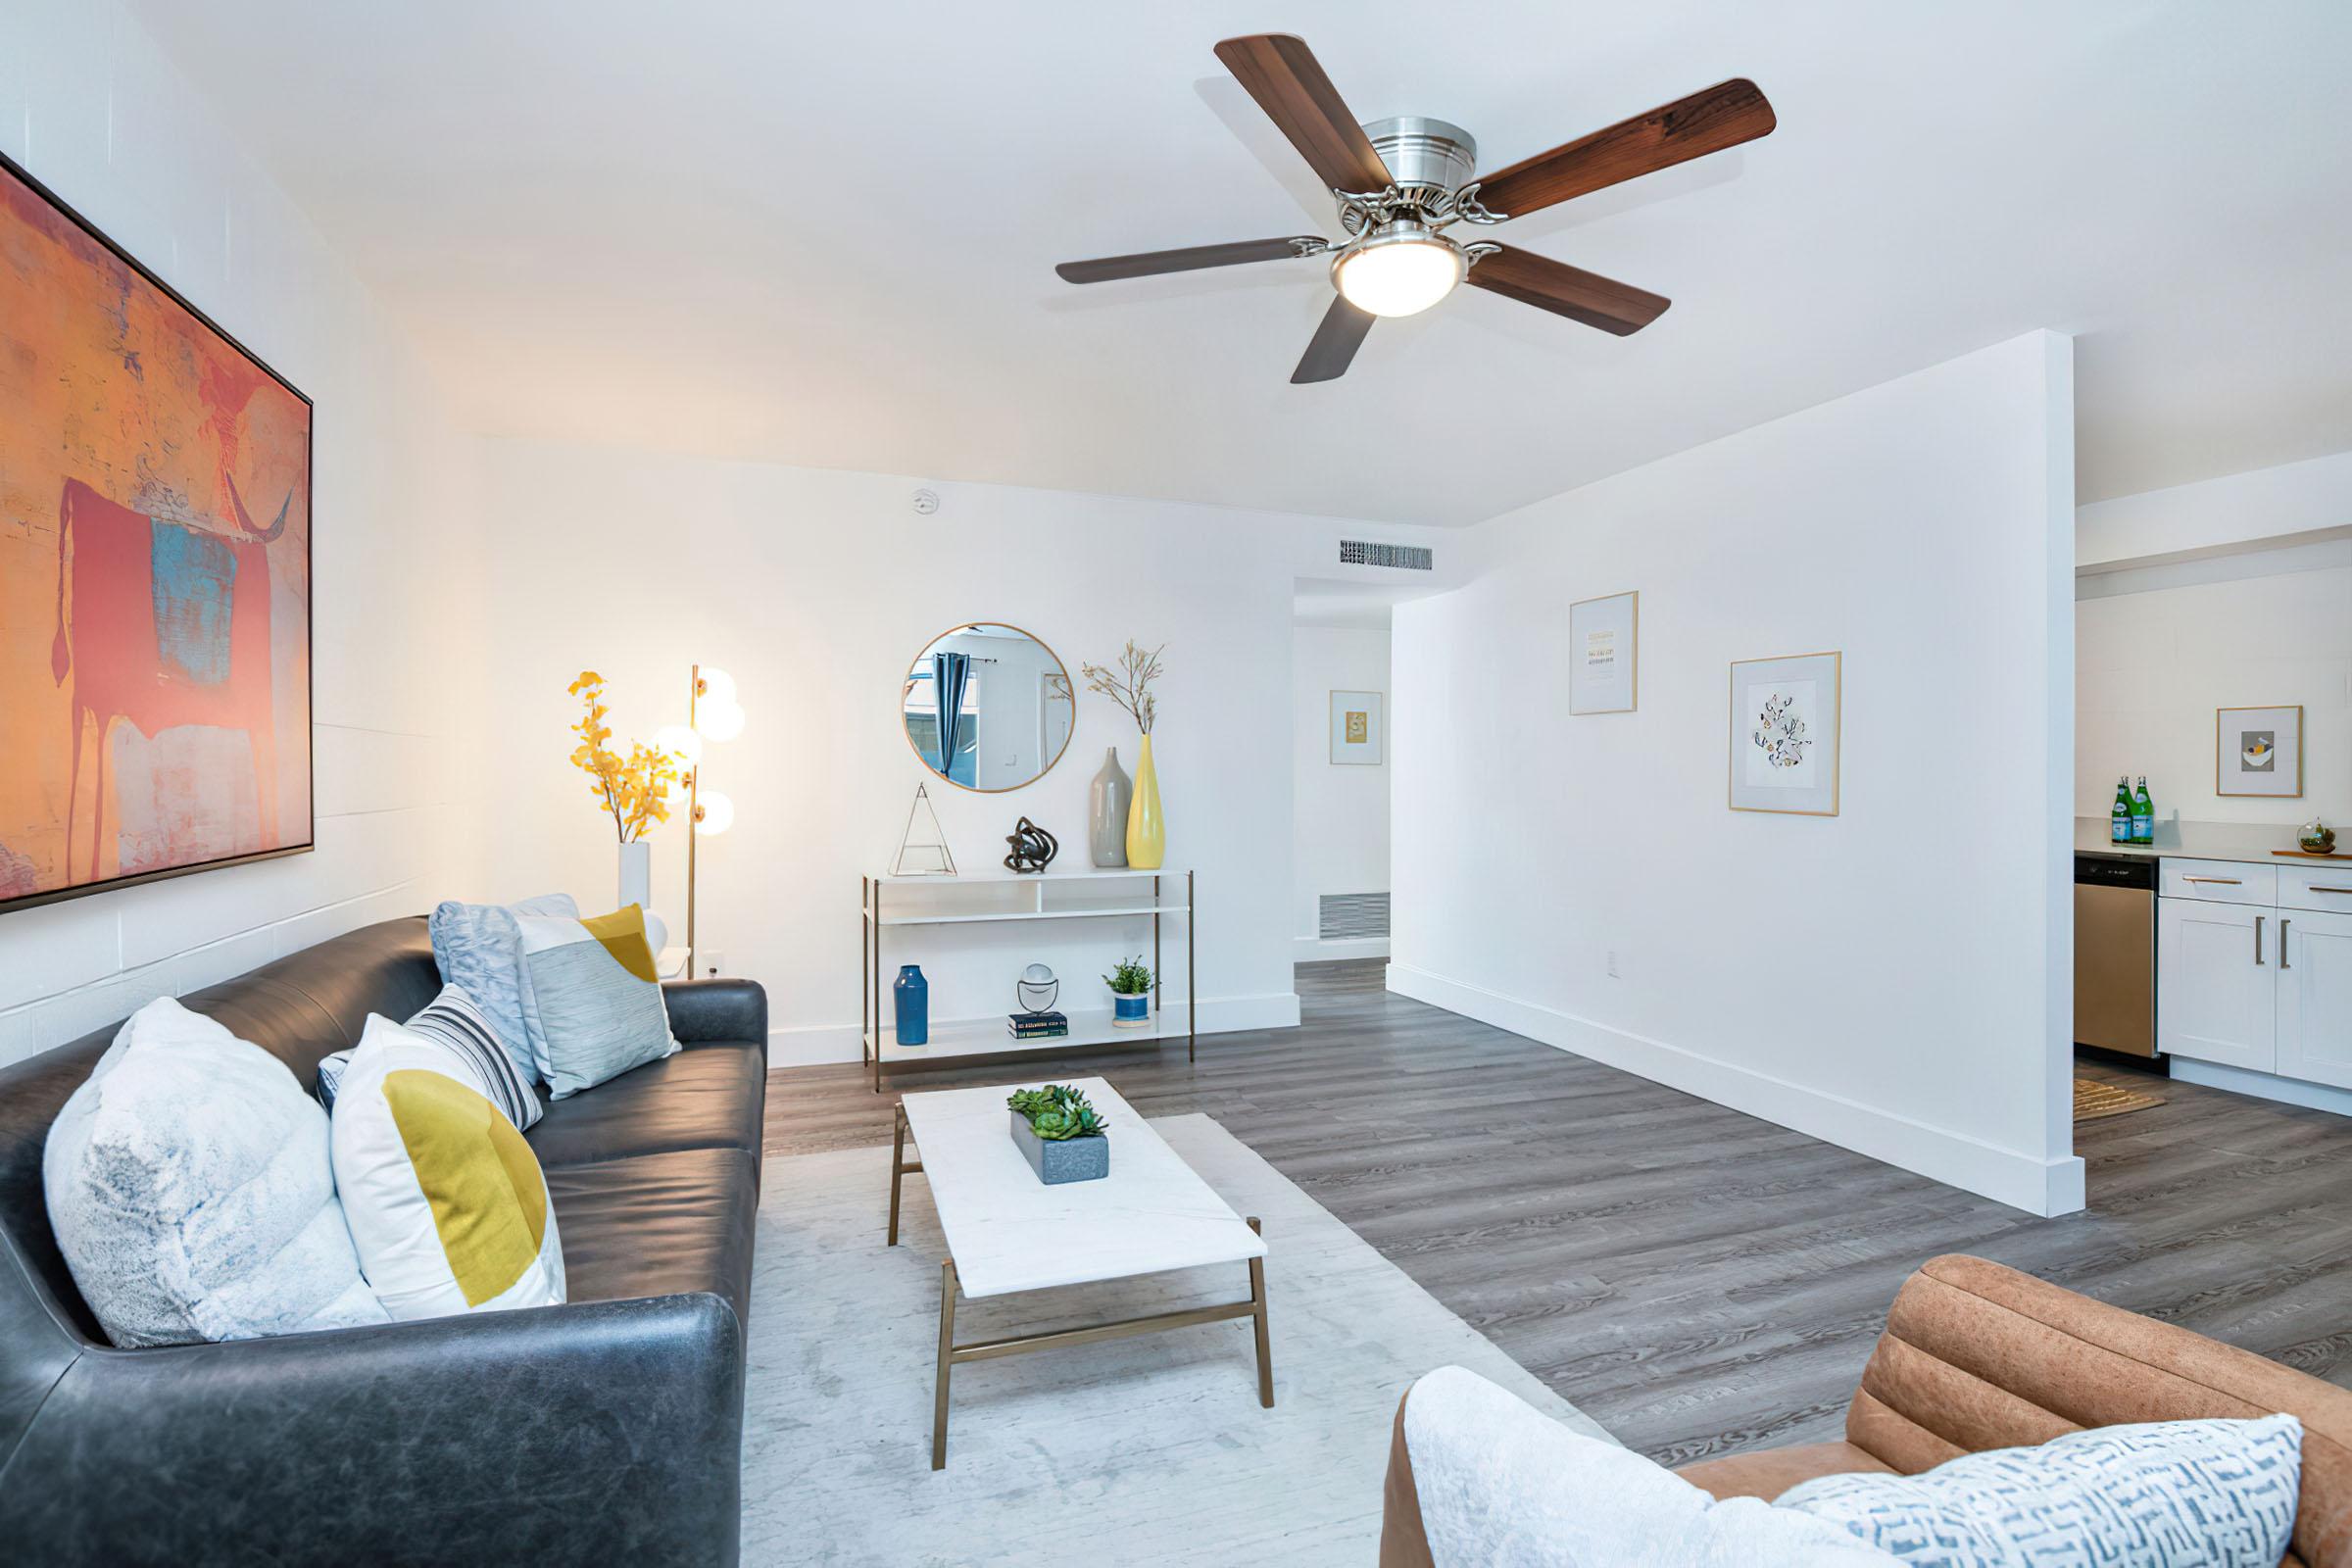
(1146, 829)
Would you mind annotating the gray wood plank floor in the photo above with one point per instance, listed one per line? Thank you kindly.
(1699, 1281)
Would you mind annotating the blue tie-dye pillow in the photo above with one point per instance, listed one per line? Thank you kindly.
(478, 948)
(2163, 1495)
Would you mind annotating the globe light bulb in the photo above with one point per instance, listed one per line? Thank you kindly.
(718, 721)
(719, 687)
(681, 742)
(714, 814)
(1400, 268)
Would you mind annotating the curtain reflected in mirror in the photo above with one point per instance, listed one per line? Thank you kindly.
(987, 706)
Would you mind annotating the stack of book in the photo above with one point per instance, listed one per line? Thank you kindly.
(1037, 1025)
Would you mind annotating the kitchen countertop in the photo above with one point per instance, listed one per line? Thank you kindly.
(2197, 841)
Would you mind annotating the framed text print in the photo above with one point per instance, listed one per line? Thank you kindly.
(1359, 737)
(1785, 734)
(155, 574)
(2258, 751)
(1603, 646)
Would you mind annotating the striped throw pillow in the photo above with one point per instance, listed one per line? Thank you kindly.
(453, 1019)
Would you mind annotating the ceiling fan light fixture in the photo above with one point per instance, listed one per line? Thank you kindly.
(1400, 268)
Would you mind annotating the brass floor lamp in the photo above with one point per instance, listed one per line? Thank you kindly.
(712, 715)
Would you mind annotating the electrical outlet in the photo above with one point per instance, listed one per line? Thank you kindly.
(1614, 974)
(714, 963)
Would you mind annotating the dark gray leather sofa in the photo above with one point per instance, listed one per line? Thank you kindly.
(606, 1430)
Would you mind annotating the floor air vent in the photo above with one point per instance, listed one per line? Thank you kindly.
(1353, 915)
(1364, 553)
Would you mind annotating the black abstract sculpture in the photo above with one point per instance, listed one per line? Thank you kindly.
(1033, 847)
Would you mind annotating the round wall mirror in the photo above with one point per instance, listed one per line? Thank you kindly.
(987, 706)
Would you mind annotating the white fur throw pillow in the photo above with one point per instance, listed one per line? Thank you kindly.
(191, 1188)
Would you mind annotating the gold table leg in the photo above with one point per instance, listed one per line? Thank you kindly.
(1257, 1315)
(947, 1359)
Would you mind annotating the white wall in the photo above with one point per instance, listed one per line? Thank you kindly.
(1896, 979)
(2152, 665)
(815, 590)
(89, 105)
(1340, 816)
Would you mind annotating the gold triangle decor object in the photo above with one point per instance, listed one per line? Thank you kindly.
(922, 847)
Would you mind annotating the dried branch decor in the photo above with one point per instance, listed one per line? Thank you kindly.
(1130, 684)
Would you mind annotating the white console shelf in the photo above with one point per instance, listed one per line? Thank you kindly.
(889, 903)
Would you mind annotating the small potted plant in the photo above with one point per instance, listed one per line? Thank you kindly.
(1130, 983)
(1060, 1134)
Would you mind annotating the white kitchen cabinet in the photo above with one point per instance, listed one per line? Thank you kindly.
(2315, 997)
(2217, 996)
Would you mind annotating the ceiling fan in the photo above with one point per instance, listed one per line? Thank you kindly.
(1401, 183)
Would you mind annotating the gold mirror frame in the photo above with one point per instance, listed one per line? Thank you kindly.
(905, 678)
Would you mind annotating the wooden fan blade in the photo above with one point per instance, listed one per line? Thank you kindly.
(1334, 345)
(1723, 116)
(1569, 291)
(1280, 72)
(1145, 263)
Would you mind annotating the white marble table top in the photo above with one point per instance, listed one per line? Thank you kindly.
(1008, 1230)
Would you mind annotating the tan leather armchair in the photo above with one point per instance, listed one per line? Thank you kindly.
(1976, 1356)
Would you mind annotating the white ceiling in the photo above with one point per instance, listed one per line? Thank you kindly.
(824, 235)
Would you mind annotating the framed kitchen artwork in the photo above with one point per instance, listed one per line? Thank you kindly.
(2258, 751)
(155, 574)
(1603, 648)
(1358, 736)
(1785, 734)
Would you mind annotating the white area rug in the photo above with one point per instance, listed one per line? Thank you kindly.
(1146, 1450)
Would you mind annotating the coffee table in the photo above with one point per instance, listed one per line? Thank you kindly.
(1006, 1231)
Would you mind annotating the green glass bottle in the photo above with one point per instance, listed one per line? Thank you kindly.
(2143, 814)
(2119, 815)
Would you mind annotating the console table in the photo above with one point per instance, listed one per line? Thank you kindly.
(882, 907)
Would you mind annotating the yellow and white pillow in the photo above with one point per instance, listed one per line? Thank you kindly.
(446, 1203)
(593, 1004)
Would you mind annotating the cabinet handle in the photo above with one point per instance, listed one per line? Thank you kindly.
(2283, 925)
(2233, 882)
(2331, 890)
(2258, 938)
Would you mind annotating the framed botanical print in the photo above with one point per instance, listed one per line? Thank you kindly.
(1785, 734)
(155, 574)
(1603, 647)
(1359, 738)
(2258, 751)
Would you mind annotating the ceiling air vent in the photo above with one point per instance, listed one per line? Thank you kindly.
(1363, 552)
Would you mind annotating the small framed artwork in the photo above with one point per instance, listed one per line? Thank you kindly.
(1358, 735)
(2258, 751)
(1603, 645)
(1785, 734)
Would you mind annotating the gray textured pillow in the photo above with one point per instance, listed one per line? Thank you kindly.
(2213, 1493)
(192, 1194)
(478, 947)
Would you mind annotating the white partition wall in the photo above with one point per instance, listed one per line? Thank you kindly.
(1897, 978)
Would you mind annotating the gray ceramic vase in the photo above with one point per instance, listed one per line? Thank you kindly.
(1106, 812)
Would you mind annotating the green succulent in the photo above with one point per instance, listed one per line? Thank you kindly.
(1057, 1113)
(1129, 977)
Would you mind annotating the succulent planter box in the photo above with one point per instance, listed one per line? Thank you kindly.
(1131, 1009)
(1057, 1161)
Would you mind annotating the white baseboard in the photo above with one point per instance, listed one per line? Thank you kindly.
(2037, 1186)
(2264, 1084)
(1322, 950)
(817, 1044)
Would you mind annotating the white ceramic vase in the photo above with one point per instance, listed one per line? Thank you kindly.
(637, 875)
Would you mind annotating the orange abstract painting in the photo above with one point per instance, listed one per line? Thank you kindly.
(155, 574)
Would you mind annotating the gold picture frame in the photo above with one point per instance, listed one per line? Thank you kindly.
(1631, 651)
(1826, 795)
(2221, 755)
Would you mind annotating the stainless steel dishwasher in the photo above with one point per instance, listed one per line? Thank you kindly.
(2115, 954)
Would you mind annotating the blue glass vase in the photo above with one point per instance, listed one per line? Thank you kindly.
(910, 994)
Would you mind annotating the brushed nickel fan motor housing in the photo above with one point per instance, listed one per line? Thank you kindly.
(1423, 153)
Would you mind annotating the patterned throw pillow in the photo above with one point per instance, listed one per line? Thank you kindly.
(2161, 1494)
(594, 1004)
(446, 1203)
(479, 946)
(453, 1019)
